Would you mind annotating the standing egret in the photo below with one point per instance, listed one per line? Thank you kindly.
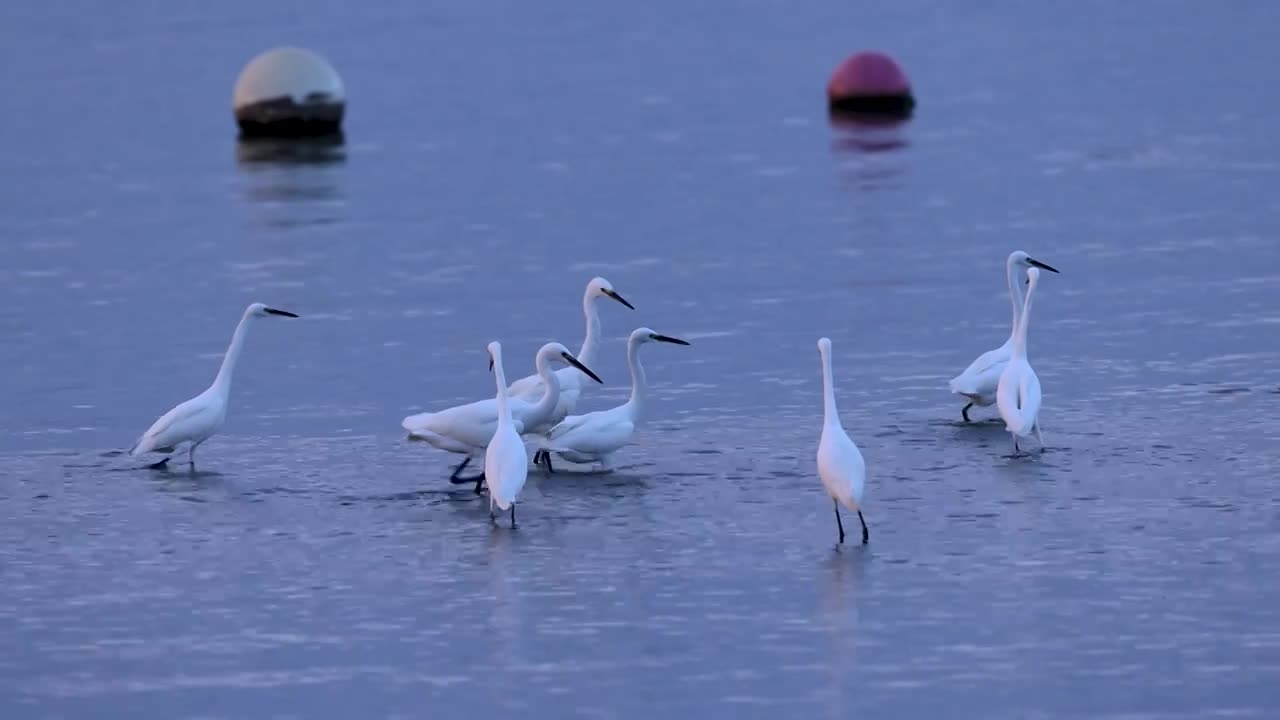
(840, 463)
(506, 466)
(199, 418)
(595, 436)
(1018, 396)
(533, 386)
(977, 384)
(466, 429)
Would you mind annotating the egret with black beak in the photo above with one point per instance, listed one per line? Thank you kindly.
(977, 384)
(594, 437)
(201, 417)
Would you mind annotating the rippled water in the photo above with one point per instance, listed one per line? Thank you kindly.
(499, 156)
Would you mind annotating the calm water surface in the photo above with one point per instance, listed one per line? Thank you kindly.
(499, 156)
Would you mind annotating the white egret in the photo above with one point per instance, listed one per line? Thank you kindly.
(534, 386)
(466, 429)
(977, 384)
(593, 437)
(1018, 395)
(199, 418)
(506, 466)
(840, 463)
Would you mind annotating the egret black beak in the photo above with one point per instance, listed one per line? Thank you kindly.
(618, 297)
(574, 362)
(490, 363)
(669, 339)
(1042, 266)
(282, 313)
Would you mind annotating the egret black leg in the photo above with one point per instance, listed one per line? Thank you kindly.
(513, 516)
(839, 522)
(964, 412)
(458, 479)
(480, 483)
(546, 458)
(865, 535)
(453, 478)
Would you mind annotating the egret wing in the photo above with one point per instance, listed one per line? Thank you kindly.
(507, 466)
(570, 423)
(842, 468)
(598, 435)
(980, 372)
(530, 386)
(1029, 396)
(473, 423)
(161, 433)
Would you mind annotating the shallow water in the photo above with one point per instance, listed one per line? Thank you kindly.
(499, 156)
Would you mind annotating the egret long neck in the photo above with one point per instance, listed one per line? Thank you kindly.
(500, 376)
(1015, 297)
(638, 386)
(830, 415)
(223, 381)
(592, 341)
(552, 394)
(1020, 333)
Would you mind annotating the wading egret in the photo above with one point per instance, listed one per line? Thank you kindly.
(533, 386)
(506, 464)
(593, 437)
(840, 463)
(1018, 395)
(466, 429)
(977, 384)
(199, 418)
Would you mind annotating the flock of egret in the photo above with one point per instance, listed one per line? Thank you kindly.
(1002, 376)
(537, 411)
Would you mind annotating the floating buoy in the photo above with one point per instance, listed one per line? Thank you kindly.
(289, 93)
(870, 83)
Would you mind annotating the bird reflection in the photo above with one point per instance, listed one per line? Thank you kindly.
(838, 613)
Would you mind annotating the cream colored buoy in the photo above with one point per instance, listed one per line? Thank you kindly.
(289, 92)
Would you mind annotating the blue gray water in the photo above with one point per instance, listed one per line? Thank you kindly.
(501, 154)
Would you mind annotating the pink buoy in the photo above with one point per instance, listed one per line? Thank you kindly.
(870, 82)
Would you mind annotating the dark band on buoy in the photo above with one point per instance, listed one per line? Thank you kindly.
(894, 105)
(319, 115)
(870, 83)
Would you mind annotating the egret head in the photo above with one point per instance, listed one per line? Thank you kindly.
(260, 310)
(495, 353)
(644, 335)
(554, 352)
(599, 287)
(1020, 259)
(824, 346)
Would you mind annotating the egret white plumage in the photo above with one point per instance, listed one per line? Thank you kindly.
(199, 418)
(533, 386)
(506, 465)
(1018, 394)
(595, 436)
(840, 463)
(467, 429)
(977, 384)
